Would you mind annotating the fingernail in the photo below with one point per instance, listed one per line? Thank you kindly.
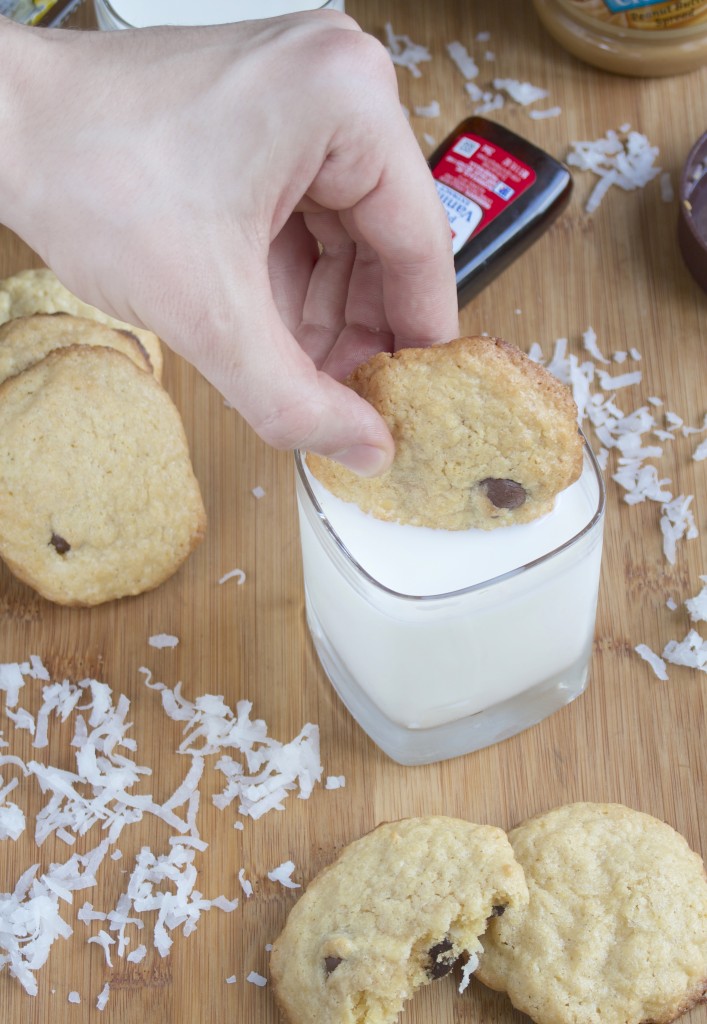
(364, 459)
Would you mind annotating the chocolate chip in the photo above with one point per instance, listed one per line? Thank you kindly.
(331, 963)
(441, 959)
(504, 493)
(61, 545)
(499, 909)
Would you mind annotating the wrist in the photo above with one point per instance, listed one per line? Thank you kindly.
(26, 98)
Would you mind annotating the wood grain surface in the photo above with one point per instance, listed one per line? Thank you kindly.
(629, 738)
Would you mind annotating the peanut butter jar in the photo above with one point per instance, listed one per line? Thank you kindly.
(644, 38)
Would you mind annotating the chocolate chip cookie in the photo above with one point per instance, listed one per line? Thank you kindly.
(27, 339)
(396, 911)
(484, 437)
(40, 291)
(98, 498)
(616, 927)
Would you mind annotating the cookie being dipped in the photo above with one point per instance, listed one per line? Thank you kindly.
(484, 437)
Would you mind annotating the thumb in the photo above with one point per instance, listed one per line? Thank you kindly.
(290, 404)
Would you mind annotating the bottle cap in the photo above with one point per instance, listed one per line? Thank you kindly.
(692, 223)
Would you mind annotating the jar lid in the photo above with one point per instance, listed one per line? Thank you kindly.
(692, 223)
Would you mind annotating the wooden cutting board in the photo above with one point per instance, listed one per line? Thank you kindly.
(629, 738)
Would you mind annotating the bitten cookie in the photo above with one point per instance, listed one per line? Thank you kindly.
(484, 437)
(27, 339)
(616, 927)
(40, 291)
(97, 495)
(394, 912)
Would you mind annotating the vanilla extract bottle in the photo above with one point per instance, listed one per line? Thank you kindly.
(500, 193)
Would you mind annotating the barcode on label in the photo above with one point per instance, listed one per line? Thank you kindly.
(465, 146)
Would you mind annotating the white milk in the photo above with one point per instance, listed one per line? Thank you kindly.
(143, 13)
(420, 629)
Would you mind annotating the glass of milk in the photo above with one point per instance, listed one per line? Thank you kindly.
(442, 642)
(112, 14)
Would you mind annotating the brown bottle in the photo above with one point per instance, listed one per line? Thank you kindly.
(500, 193)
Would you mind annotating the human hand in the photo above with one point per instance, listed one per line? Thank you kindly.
(184, 183)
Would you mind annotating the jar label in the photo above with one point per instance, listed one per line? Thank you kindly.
(476, 181)
(644, 14)
(37, 12)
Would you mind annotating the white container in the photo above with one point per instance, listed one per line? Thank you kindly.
(442, 642)
(112, 14)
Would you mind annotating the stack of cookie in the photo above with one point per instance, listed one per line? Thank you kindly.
(589, 912)
(98, 498)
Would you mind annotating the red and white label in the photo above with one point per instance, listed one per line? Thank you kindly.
(476, 181)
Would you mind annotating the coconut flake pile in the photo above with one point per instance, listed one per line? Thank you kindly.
(631, 436)
(624, 158)
(405, 53)
(268, 770)
(106, 789)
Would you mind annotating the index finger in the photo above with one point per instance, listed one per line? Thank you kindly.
(402, 220)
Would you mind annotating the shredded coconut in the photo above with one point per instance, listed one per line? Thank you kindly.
(700, 453)
(522, 92)
(257, 979)
(11, 681)
(691, 652)
(667, 192)
(103, 995)
(106, 787)
(542, 115)
(627, 162)
(467, 970)
(589, 340)
(231, 980)
(335, 782)
(676, 522)
(656, 663)
(105, 941)
(271, 770)
(12, 818)
(625, 380)
(236, 574)
(258, 492)
(429, 110)
(696, 606)
(283, 875)
(160, 640)
(463, 60)
(496, 102)
(405, 53)
(74, 997)
(245, 884)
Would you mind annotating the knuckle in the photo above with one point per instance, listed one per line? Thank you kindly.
(357, 57)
